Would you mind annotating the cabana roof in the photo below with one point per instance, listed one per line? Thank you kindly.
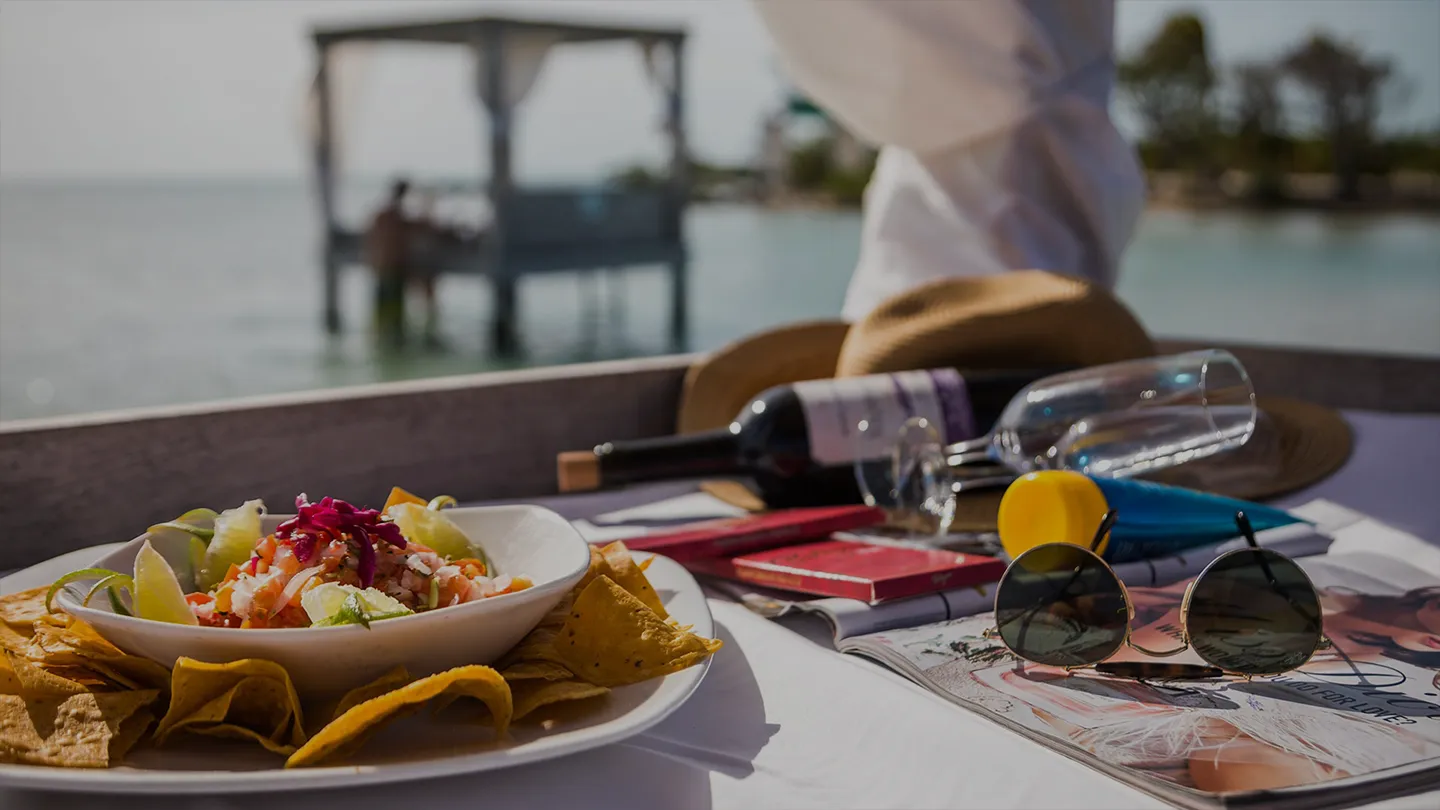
(464, 31)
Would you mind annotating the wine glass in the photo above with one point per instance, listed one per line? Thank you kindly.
(914, 484)
(1122, 418)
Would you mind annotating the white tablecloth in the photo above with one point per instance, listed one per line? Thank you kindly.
(783, 721)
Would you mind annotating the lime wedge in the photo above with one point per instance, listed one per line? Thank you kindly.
(192, 522)
(324, 600)
(236, 533)
(157, 593)
(429, 527)
(381, 605)
(333, 603)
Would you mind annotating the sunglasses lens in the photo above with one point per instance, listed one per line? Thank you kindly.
(1059, 605)
(1254, 612)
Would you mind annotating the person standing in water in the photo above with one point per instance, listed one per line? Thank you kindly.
(428, 238)
(387, 251)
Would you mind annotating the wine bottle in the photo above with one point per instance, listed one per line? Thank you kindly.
(799, 442)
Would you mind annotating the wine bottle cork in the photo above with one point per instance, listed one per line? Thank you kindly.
(578, 471)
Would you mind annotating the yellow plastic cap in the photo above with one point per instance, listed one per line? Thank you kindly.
(1055, 506)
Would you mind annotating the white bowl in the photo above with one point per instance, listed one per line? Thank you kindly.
(326, 661)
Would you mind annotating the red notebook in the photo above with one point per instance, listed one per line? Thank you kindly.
(725, 537)
(854, 570)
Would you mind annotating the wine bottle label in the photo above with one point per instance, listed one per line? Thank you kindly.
(835, 408)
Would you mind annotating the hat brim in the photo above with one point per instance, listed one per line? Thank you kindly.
(717, 387)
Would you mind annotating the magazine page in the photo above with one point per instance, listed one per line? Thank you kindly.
(1365, 711)
(852, 617)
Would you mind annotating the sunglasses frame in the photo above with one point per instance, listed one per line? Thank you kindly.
(1322, 642)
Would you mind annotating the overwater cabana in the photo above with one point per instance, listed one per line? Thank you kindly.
(532, 230)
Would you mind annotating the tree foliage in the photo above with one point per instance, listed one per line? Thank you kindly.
(1345, 89)
(1198, 119)
(1170, 84)
(1258, 141)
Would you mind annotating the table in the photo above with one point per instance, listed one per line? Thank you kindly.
(784, 721)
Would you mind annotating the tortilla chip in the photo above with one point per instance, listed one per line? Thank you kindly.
(531, 695)
(535, 670)
(238, 732)
(62, 636)
(614, 639)
(348, 731)
(597, 567)
(78, 731)
(623, 571)
(249, 699)
(12, 639)
(645, 563)
(517, 672)
(557, 614)
(131, 730)
(34, 680)
(131, 673)
(9, 681)
(22, 609)
(399, 496)
(64, 641)
(389, 682)
(538, 645)
(254, 709)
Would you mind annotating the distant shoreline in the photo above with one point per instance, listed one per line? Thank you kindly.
(1404, 193)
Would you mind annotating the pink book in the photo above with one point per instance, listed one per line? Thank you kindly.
(854, 570)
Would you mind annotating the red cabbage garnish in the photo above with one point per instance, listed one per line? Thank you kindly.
(365, 566)
(332, 518)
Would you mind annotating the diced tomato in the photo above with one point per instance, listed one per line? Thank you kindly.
(471, 567)
(199, 598)
(232, 573)
(292, 616)
(286, 562)
(265, 549)
(453, 588)
(518, 584)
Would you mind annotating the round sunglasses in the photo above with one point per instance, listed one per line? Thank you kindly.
(1251, 612)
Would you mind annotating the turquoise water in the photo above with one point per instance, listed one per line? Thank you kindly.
(125, 296)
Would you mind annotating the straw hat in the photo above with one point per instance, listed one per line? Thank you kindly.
(1023, 319)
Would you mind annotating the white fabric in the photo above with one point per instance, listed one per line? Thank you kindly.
(659, 59)
(346, 69)
(998, 149)
(525, 54)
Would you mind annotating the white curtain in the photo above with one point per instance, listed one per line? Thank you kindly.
(525, 53)
(349, 63)
(659, 58)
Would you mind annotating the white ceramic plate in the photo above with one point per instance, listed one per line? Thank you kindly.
(415, 748)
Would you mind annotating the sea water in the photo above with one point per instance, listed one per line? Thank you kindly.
(126, 295)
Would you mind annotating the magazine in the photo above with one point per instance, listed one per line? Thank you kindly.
(1365, 712)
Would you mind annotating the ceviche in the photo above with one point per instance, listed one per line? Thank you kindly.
(331, 564)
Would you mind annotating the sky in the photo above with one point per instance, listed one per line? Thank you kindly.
(116, 89)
